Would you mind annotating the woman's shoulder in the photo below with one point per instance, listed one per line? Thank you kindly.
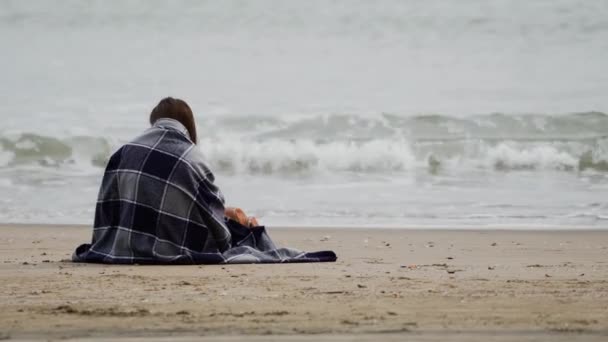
(197, 161)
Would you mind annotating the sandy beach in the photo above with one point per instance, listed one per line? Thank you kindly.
(469, 285)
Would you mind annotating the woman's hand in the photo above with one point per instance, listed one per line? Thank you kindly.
(253, 222)
(238, 215)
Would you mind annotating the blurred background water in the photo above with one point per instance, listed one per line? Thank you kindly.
(343, 113)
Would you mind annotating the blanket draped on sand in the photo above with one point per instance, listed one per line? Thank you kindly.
(251, 246)
(158, 204)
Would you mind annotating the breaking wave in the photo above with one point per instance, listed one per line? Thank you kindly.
(399, 156)
(50, 152)
(346, 143)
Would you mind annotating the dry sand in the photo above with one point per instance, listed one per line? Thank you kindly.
(423, 285)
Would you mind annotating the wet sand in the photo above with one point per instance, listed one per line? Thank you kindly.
(424, 285)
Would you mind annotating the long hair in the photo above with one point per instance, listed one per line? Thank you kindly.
(178, 110)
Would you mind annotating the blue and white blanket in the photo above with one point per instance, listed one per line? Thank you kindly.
(158, 204)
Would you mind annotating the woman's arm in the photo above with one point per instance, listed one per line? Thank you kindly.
(211, 201)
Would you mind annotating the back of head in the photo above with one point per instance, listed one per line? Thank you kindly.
(175, 109)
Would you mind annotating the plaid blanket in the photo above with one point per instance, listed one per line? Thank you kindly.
(158, 204)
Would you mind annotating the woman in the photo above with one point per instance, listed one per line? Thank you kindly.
(158, 204)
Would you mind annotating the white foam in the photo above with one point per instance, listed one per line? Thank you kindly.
(506, 156)
(304, 156)
(376, 156)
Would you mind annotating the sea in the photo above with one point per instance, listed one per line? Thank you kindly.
(319, 113)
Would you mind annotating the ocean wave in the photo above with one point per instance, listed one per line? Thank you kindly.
(277, 156)
(339, 126)
(390, 156)
(358, 144)
(509, 157)
(45, 151)
(304, 156)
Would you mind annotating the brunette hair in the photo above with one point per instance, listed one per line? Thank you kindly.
(175, 109)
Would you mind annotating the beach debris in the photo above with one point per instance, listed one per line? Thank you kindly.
(430, 244)
(581, 275)
(450, 258)
(182, 312)
(361, 286)
(535, 266)
(453, 271)
(375, 261)
(411, 267)
(46, 261)
(567, 329)
(491, 268)
(325, 238)
(110, 312)
(183, 283)
(44, 253)
(65, 309)
(233, 314)
(276, 313)
(391, 313)
(494, 244)
(547, 276)
(439, 265)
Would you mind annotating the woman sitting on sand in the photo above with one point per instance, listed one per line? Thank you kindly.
(158, 204)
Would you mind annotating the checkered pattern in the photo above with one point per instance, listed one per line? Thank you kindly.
(158, 204)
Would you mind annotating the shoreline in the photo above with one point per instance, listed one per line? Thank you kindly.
(410, 228)
(476, 284)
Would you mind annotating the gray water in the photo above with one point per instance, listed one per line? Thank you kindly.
(341, 113)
